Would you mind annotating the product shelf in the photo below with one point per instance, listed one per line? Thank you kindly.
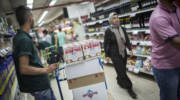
(131, 14)
(137, 70)
(6, 81)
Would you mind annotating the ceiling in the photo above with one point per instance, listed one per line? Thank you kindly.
(39, 6)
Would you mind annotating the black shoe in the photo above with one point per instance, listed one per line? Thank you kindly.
(132, 93)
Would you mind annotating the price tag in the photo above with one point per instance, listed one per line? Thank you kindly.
(101, 21)
(147, 31)
(149, 43)
(136, 70)
(135, 32)
(133, 14)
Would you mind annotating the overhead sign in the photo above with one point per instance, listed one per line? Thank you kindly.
(83, 9)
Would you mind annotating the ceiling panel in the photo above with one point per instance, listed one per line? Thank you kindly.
(52, 12)
(10, 5)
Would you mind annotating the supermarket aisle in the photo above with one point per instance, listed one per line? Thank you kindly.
(146, 88)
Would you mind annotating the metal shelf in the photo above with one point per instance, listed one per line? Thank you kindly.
(131, 14)
(144, 43)
(138, 70)
(94, 33)
(135, 31)
(139, 55)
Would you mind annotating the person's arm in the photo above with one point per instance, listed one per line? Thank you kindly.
(175, 42)
(26, 69)
(107, 42)
(166, 31)
(56, 40)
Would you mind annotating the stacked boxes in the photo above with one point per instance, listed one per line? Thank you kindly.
(87, 80)
(84, 70)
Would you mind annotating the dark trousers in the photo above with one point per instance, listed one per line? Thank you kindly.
(169, 83)
(44, 95)
(120, 67)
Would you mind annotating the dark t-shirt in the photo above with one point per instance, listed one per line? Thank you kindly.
(53, 39)
(23, 45)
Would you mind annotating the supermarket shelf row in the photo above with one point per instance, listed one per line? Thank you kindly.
(131, 14)
(141, 42)
(134, 31)
(138, 70)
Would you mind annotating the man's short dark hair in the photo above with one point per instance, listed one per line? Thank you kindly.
(22, 14)
(45, 32)
(60, 29)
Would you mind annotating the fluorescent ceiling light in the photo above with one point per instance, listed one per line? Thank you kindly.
(52, 2)
(30, 6)
(42, 16)
(40, 24)
(30, 3)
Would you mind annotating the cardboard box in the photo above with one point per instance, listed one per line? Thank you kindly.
(91, 92)
(86, 80)
(83, 69)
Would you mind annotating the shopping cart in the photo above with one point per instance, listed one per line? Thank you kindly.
(59, 80)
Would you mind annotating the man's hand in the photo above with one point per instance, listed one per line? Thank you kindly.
(52, 68)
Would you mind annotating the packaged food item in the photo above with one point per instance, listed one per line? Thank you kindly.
(138, 49)
(143, 51)
(78, 51)
(147, 65)
(86, 47)
(95, 48)
(77, 54)
(139, 63)
(68, 51)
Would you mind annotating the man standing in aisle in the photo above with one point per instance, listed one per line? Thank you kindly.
(32, 77)
(165, 37)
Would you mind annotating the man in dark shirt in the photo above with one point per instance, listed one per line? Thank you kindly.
(32, 76)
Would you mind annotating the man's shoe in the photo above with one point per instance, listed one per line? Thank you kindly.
(132, 93)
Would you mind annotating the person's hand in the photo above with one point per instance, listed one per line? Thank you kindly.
(130, 53)
(108, 59)
(52, 68)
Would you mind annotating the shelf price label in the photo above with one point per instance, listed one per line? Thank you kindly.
(132, 14)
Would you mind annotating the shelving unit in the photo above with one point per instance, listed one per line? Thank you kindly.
(8, 81)
(135, 22)
(131, 14)
(138, 70)
(143, 43)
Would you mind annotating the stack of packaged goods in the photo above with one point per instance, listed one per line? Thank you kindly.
(80, 51)
(84, 70)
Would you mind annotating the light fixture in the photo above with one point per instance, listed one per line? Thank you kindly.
(30, 6)
(30, 3)
(52, 2)
(42, 16)
(40, 24)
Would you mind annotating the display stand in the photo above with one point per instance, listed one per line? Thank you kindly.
(73, 76)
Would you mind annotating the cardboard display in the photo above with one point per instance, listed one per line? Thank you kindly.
(83, 69)
(86, 80)
(91, 92)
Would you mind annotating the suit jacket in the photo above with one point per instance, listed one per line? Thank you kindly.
(110, 43)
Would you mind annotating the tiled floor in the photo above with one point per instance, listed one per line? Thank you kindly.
(144, 86)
